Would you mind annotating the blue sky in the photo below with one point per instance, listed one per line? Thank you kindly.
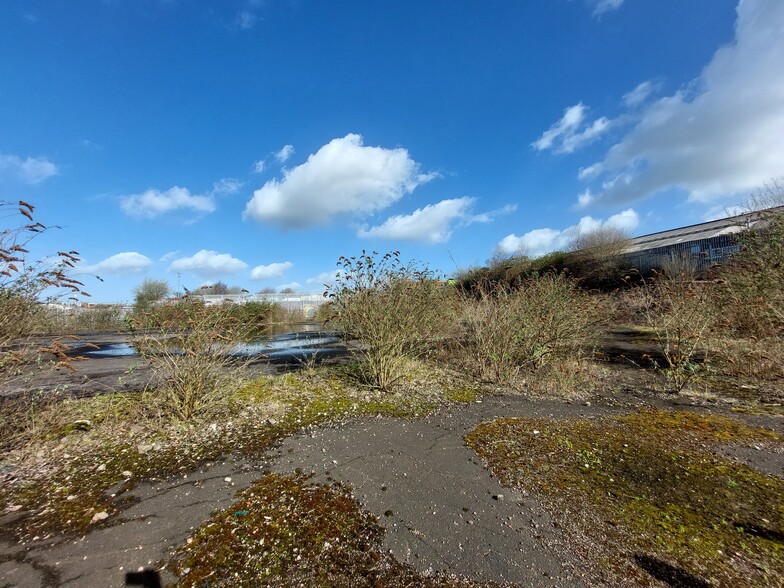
(256, 141)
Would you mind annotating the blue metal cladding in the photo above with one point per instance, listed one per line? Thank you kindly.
(704, 253)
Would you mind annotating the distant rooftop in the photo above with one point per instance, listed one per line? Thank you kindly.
(715, 228)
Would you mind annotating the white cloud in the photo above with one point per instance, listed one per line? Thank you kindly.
(268, 272)
(720, 136)
(258, 166)
(226, 186)
(128, 262)
(540, 241)
(154, 203)
(285, 152)
(208, 264)
(571, 119)
(343, 176)
(627, 220)
(584, 200)
(30, 170)
(325, 278)
(565, 136)
(431, 224)
(169, 256)
(639, 94)
(603, 6)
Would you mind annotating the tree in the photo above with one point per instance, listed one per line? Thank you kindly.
(149, 292)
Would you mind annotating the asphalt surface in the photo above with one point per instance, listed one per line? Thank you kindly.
(441, 507)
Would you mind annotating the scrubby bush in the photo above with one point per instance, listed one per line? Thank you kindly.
(506, 331)
(596, 257)
(396, 311)
(190, 356)
(254, 317)
(679, 311)
(752, 291)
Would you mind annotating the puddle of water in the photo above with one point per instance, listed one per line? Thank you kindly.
(110, 350)
(283, 348)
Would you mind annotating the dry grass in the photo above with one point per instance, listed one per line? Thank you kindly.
(507, 333)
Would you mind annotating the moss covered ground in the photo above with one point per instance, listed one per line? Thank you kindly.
(72, 473)
(648, 494)
(286, 531)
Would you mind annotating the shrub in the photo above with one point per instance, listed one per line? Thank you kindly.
(680, 313)
(395, 311)
(193, 369)
(752, 282)
(506, 331)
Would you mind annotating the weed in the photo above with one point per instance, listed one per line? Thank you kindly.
(191, 360)
(681, 317)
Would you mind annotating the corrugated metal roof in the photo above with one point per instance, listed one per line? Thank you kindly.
(725, 226)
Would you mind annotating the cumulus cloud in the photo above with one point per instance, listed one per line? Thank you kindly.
(431, 224)
(541, 241)
(169, 256)
(285, 152)
(208, 264)
(258, 166)
(569, 133)
(30, 170)
(343, 176)
(154, 203)
(271, 271)
(721, 135)
(128, 262)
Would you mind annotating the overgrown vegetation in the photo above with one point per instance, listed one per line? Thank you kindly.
(83, 447)
(505, 332)
(679, 312)
(523, 324)
(651, 486)
(396, 311)
(25, 284)
(191, 357)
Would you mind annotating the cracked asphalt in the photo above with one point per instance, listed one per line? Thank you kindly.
(442, 509)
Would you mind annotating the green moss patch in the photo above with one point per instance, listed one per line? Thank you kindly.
(649, 487)
(284, 531)
(86, 472)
